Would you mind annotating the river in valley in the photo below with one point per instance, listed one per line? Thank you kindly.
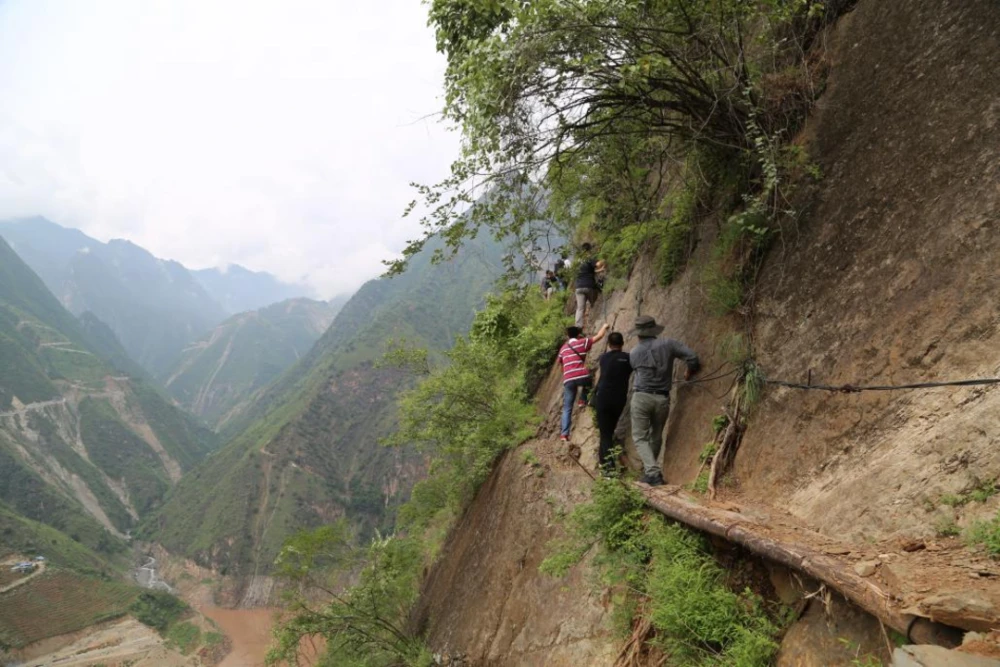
(248, 629)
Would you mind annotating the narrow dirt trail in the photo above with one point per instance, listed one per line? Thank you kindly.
(33, 407)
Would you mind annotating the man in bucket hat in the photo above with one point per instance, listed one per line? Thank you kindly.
(653, 362)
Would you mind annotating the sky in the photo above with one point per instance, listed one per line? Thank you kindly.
(280, 135)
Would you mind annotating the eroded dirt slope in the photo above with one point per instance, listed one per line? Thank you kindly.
(486, 601)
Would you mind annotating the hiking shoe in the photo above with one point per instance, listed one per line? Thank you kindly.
(652, 480)
(581, 404)
(564, 438)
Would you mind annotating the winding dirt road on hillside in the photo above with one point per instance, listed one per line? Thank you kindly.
(40, 568)
(33, 407)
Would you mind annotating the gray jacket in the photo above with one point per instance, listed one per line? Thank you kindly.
(653, 362)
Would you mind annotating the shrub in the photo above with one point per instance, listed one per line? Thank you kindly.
(698, 619)
(987, 534)
(158, 609)
(696, 614)
(946, 527)
(366, 625)
(184, 637)
(478, 405)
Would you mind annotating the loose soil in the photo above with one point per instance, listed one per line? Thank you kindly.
(125, 642)
(485, 599)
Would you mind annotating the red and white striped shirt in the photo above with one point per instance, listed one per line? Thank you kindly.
(572, 356)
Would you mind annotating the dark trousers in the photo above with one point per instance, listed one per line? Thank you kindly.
(608, 414)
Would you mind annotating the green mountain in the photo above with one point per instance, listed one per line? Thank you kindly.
(154, 307)
(239, 289)
(85, 448)
(218, 375)
(307, 449)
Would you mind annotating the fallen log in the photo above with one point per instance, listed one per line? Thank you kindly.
(835, 573)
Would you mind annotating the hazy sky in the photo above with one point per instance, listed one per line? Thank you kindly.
(278, 135)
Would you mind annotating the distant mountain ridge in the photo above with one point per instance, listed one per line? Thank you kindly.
(155, 307)
(240, 290)
(217, 376)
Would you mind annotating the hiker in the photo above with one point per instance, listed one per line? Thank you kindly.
(560, 269)
(652, 360)
(612, 394)
(548, 285)
(576, 375)
(586, 284)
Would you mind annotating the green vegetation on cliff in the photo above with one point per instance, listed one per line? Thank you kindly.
(462, 415)
(667, 572)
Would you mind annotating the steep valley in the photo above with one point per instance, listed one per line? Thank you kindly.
(306, 451)
(885, 275)
(217, 376)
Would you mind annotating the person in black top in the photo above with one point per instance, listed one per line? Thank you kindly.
(612, 394)
(586, 283)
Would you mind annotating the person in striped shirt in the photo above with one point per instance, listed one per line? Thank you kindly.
(576, 376)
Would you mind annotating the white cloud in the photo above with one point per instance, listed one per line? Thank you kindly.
(278, 135)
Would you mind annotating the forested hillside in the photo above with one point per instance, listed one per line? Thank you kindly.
(218, 375)
(86, 448)
(309, 451)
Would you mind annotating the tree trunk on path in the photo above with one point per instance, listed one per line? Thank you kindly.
(797, 555)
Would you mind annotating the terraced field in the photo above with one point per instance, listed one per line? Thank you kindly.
(58, 602)
(8, 577)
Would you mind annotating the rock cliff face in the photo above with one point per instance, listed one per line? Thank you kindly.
(891, 278)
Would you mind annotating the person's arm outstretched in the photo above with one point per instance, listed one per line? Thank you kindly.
(690, 358)
(602, 333)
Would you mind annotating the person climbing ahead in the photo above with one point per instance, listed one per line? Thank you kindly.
(560, 269)
(549, 285)
(586, 283)
(652, 360)
(612, 394)
(576, 375)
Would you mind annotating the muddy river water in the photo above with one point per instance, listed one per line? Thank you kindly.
(249, 630)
